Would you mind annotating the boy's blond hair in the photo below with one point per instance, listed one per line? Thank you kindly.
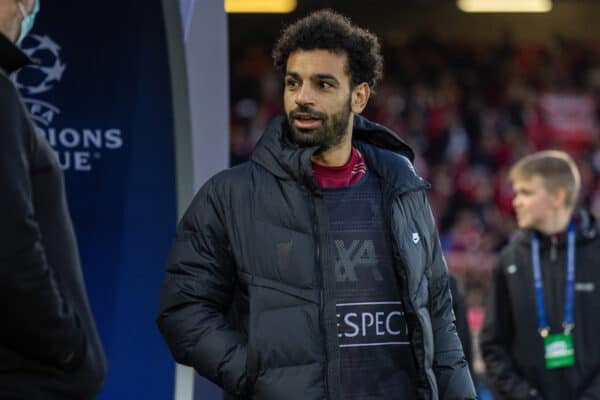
(556, 168)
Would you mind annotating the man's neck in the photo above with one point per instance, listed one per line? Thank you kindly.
(335, 156)
(557, 224)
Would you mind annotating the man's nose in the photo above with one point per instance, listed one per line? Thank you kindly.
(305, 95)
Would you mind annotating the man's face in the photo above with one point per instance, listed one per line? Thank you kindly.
(11, 16)
(533, 203)
(318, 98)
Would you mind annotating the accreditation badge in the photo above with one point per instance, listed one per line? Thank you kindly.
(559, 351)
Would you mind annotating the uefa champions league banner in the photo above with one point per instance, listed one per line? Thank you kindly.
(100, 93)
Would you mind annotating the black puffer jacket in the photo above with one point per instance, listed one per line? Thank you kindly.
(49, 347)
(248, 300)
(511, 346)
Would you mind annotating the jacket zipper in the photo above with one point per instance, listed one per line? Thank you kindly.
(553, 250)
(556, 287)
(316, 232)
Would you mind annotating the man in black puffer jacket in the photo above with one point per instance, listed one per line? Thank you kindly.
(539, 337)
(49, 347)
(314, 271)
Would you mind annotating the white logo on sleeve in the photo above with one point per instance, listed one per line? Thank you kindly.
(511, 269)
(416, 238)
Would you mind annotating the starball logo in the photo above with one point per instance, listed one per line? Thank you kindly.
(77, 148)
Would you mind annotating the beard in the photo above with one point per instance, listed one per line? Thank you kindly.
(331, 132)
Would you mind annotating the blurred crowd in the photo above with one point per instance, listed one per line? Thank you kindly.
(469, 111)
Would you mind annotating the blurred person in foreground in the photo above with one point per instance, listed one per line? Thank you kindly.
(49, 348)
(314, 270)
(539, 339)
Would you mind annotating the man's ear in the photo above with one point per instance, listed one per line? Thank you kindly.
(360, 97)
(559, 197)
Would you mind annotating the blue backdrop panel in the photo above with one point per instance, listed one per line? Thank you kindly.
(101, 95)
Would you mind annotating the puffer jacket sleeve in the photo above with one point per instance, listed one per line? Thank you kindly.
(462, 325)
(449, 364)
(37, 321)
(197, 292)
(593, 390)
(496, 337)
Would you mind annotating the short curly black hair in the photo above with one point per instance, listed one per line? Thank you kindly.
(328, 30)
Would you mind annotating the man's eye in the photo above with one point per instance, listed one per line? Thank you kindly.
(325, 85)
(291, 83)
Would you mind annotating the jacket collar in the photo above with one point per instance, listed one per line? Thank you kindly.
(386, 154)
(586, 229)
(11, 57)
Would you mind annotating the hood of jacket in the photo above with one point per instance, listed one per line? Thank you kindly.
(385, 153)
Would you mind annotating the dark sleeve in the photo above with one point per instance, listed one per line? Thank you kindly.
(462, 326)
(495, 342)
(36, 321)
(592, 392)
(449, 364)
(196, 294)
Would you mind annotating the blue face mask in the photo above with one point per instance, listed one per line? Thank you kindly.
(27, 22)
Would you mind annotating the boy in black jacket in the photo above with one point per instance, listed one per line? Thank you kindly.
(538, 339)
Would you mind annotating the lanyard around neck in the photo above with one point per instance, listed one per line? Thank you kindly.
(568, 323)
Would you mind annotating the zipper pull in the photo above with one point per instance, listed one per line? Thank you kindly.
(553, 241)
